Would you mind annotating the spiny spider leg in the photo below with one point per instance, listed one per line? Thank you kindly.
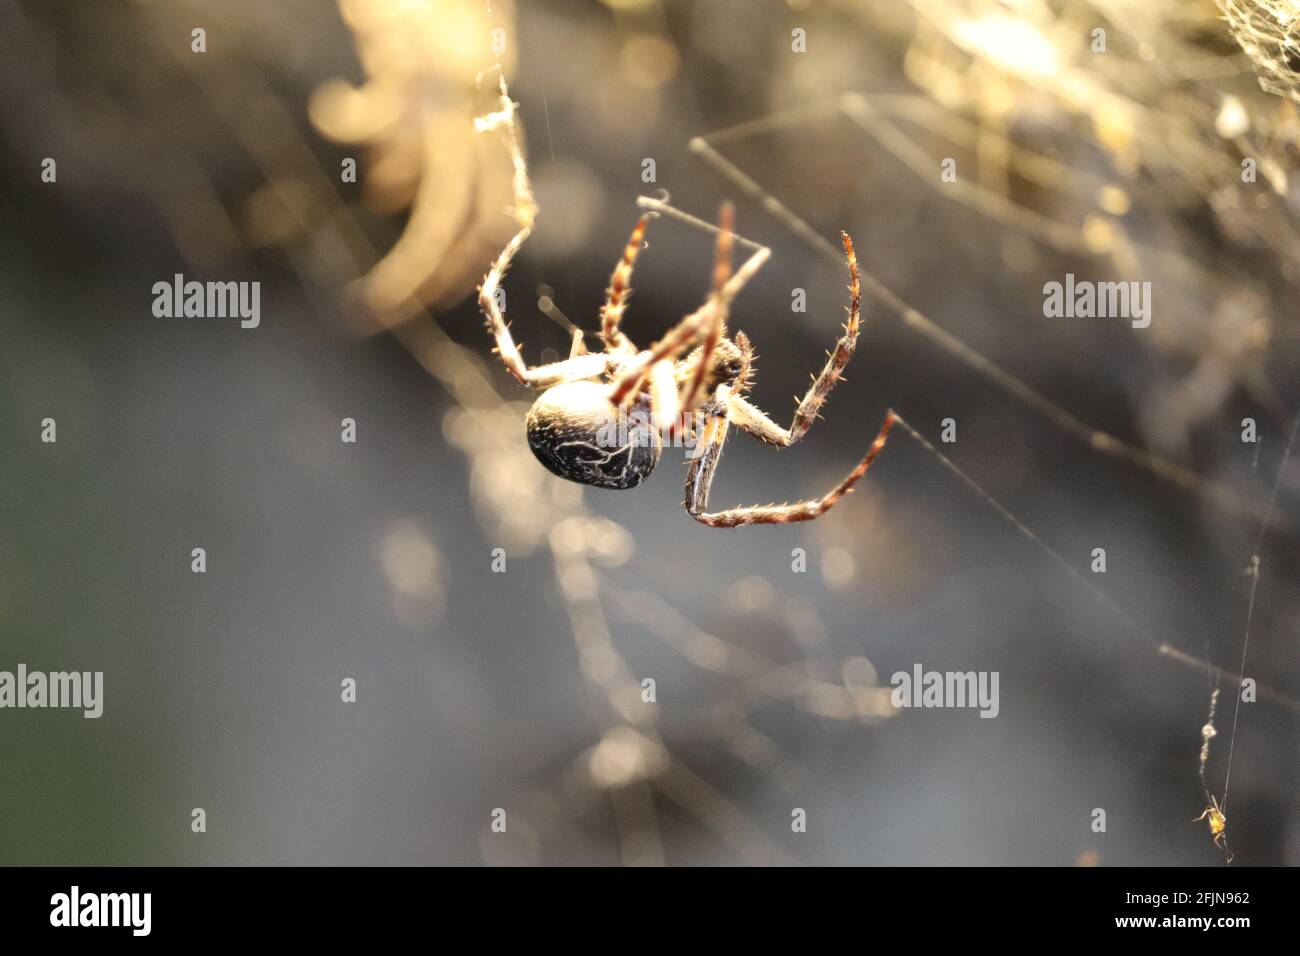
(668, 402)
(538, 376)
(616, 296)
(705, 457)
(693, 391)
(700, 477)
(749, 417)
(683, 335)
(525, 211)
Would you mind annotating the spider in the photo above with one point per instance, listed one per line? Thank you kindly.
(602, 418)
(1218, 823)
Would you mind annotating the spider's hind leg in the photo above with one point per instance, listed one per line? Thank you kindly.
(753, 420)
(700, 477)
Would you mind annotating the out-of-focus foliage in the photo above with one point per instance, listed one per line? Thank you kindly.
(426, 65)
(1269, 32)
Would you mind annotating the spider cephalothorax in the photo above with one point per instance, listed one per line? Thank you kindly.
(1218, 824)
(603, 417)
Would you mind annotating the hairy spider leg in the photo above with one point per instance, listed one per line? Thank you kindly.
(753, 420)
(669, 403)
(693, 391)
(685, 334)
(616, 296)
(525, 211)
(700, 477)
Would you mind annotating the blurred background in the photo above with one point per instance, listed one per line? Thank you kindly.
(1113, 156)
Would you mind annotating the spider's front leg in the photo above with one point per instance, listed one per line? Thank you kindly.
(670, 402)
(699, 478)
(616, 296)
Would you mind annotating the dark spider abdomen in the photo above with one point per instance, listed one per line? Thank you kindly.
(579, 434)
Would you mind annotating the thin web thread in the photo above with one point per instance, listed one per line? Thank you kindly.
(1163, 648)
(1096, 439)
(1250, 609)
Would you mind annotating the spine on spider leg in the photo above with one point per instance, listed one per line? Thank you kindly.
(744, 377)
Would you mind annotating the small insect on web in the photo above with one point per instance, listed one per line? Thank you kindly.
(602, 418)
(1218, 825)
